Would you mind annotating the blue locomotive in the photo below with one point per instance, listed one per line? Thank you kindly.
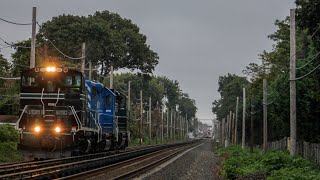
(63, 114)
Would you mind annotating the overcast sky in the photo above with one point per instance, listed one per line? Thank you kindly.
(197, 40)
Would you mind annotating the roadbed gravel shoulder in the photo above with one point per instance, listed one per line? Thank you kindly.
(199, 163)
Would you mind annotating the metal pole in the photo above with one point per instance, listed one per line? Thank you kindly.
(227, 131)
(230, 127)
(265, 120)
(236, 128)
(33, 38)
(293, 111)
(244, 119)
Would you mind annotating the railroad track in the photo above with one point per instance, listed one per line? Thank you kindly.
(133, 167)
(66, 167)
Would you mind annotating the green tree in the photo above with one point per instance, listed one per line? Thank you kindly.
(110, 40)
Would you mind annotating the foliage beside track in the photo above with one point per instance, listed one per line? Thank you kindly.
(8, 144)
(274, 164)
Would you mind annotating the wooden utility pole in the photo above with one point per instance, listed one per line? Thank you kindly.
(141, 117)
(244, 119)
(90, 70)
(265, 120)
(293, 111)
(162, 122)
(227, 131)
(83, 59)
(236, 123)
(187, 125)
(223, 132)
(174, 126)
(251, 134)
(171, 124)
(129, 110)
(150, 121)
(230, 127)
(33, 38)
(167, 125)
(111, 77)
(233, 128)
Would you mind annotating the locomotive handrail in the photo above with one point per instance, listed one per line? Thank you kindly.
(76, 117)
(99, 127)
(24, 109)
(58, 97)
(42, 102)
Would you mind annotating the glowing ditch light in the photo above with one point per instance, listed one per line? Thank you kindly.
(37, 129)
(57, 129)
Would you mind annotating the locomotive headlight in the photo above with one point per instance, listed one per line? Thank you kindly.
(57, 129)
(51, 69)
(37, 129)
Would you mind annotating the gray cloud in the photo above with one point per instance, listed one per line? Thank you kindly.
(197, 41)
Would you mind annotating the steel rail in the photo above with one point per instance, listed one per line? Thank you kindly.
(121, 165)
(67, 168)
(28, 165)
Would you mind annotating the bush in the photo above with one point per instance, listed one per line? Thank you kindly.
(275, 164)
(8, 133)
(9, 152)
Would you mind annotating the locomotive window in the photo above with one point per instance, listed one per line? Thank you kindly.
(108, 101)
(29, 81)
(73, 81)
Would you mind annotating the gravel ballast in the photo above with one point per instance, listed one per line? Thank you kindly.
(199, 163)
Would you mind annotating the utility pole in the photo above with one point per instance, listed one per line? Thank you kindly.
(236, 128)
(251, 137)
(244, 119)
(171, 124)
(129, 109)
(162, 122)
(111, 77)
(167, 121)
(141, 116)
(174, 126)
(230, 129)
(83, 59)
(265, 120)
(90, 70)
(33, 38)
(223, 131)
(150, 125)
(187, 125)
(227, 131)
(233, 128)
(293, 111)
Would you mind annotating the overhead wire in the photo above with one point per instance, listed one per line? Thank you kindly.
(69, 57)
(15, 23)
(314, 57)
(310, 72)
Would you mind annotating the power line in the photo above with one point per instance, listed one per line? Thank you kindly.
(15, 23)
(14, 45)
(69, 57)
(308, 73)
(314, 57)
